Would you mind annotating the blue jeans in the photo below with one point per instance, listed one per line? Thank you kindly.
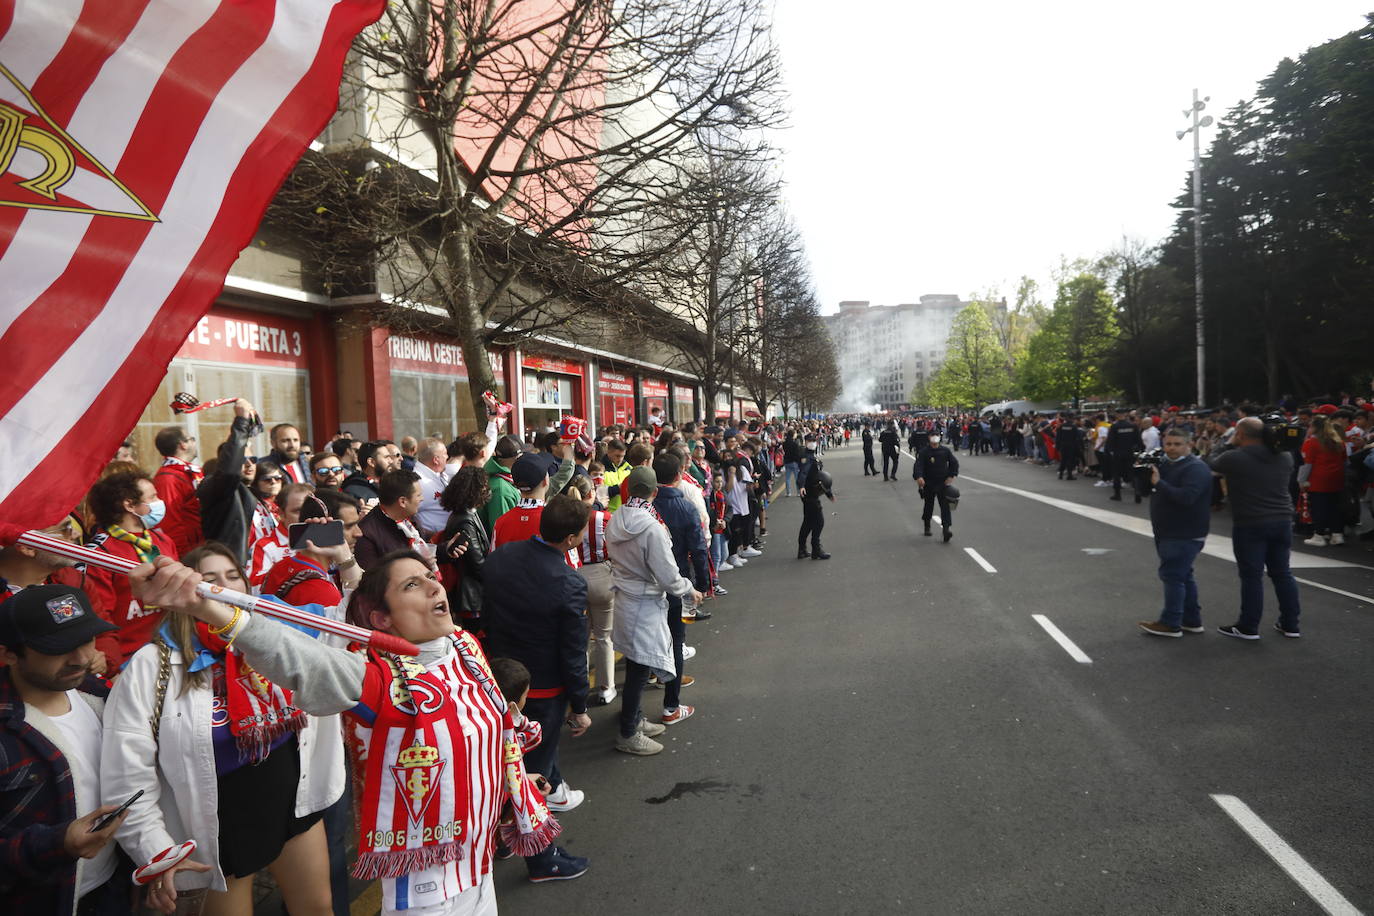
(719, 547)
(1176, 556)
(789, 477)
(1259, 548)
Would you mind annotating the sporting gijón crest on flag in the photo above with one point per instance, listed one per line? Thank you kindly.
(140, 143)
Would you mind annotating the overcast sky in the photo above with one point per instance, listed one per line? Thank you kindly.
(952, 147)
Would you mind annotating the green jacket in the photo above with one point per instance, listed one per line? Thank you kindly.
(504, 496)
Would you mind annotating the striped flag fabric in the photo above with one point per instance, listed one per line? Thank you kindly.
(140, 143)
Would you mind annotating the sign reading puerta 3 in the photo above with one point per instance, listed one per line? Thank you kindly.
(238, 337)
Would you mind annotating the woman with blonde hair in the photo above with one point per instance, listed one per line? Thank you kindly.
(224, 757)
(1322, 475)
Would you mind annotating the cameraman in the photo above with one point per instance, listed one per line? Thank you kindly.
(1257, 475)
(1180, 513)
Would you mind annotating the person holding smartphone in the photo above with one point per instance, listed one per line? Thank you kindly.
(463, 544)
(51, 858)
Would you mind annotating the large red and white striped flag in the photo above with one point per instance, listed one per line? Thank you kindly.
(140, 143)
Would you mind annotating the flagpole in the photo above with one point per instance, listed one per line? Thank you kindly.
(383, 642)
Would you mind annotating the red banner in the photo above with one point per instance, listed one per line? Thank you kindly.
(442, 357)
(235, 336)
(611, 383)
(552, 364)
(653, 388)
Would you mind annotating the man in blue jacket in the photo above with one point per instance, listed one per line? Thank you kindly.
(1180, 513)
(689, 551)
(535, 611)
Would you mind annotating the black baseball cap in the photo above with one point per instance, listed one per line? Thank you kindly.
(50, 619)
(529, 471)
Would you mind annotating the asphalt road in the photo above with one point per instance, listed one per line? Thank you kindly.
(892, 730)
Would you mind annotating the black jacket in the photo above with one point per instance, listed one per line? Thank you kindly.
(226, 503)
(535, 611)
(892, 443)
(935, 466)
(868, 441)
(357, 484)
(378, 536)
(809, 479)
(467, 597)
(688, 537)
(791, 451)
(1069, 439)
(1123, 438)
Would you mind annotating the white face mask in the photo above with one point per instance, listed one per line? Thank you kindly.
(157, 511)
(934, 441)
(811, 446)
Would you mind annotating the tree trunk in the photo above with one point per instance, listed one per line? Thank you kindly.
(466, 311)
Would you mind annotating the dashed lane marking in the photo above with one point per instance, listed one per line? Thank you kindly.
(978, 558)
(1058, 636)
(1218, 545)
(1287, 858)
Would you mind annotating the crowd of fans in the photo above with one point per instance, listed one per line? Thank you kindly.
(1332, 444)
(525, 571)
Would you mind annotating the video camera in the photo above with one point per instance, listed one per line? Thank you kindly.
(1282, 434)
(1151, 458)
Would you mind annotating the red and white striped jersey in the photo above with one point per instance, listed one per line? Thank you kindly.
(593, 549)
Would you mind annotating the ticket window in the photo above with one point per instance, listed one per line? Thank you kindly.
(684, 410)
(424, 405)
(547, 397)
(280, 396)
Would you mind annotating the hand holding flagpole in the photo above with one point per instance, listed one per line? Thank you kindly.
(384, 642)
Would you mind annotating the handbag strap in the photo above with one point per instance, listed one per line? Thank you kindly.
(164, 676)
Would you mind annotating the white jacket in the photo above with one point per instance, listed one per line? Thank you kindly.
(644, 572)
(177, 773)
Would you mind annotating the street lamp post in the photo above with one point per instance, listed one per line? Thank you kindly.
(1198, 123)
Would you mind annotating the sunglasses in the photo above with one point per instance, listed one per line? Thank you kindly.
(323, 471)
(273, 479)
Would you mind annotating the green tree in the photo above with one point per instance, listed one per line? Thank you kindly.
(1064, 359)
(975, 368)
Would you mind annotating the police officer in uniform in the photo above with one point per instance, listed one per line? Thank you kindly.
(811, 488)
(870, 469)
(892, 449)
(936, 466)
(1068, 441)
(1123, 441)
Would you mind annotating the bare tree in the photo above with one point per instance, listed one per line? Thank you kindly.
(502, 155)
(711, 280)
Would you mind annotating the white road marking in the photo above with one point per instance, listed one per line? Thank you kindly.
(1287, 858)
(1339, 591)
(978, 558)
(1218, 545)
(1058, 636)
(1097, 551)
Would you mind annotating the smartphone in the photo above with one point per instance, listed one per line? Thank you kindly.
(459, 540)
(321, 534)
(108, 819)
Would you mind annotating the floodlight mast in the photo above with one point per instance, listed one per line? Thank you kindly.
(1199, 325)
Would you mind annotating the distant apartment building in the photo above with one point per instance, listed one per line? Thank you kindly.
(883, 351)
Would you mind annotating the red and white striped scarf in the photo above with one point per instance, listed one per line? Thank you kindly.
(415, 774)
(194, 471)
(260, 712)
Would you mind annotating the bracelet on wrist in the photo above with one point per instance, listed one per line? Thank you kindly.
(233, 621)
(350, 563)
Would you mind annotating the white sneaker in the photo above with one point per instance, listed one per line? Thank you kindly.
(724, 566)
(1317, 540)
(603, 696)
(750, 552)
(1337, 539)
(1103, 483)
(688, 652)
(564, 798)
(737, 561)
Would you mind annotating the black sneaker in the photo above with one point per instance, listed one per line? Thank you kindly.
(1237, 632)
(1291, 634)
(820, 555)
(947, 535)
(561, 867)
(802, 554)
